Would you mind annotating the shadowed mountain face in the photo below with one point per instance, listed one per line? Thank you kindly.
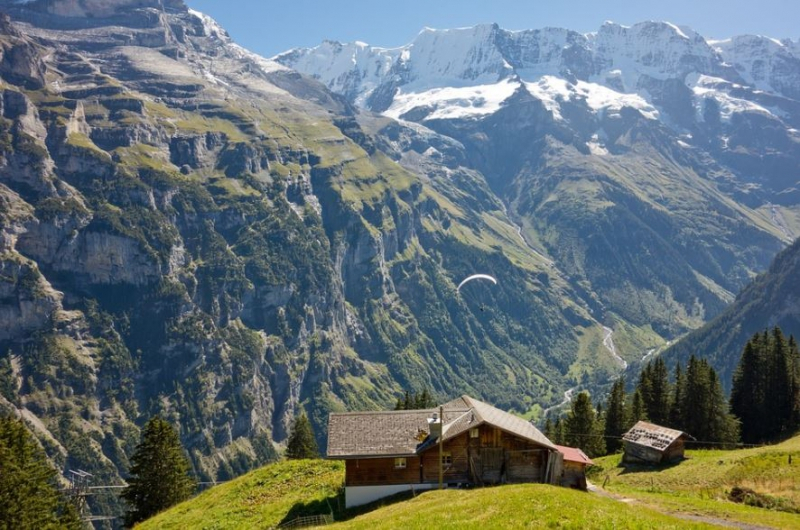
(191, 230)
(770, 300)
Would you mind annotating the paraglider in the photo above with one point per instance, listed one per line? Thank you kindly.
(476, 277)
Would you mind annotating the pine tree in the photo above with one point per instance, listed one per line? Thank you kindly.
(794, 357)
(29, 497)
(159, 473)
(723, 426)
(766, 388)
(747, 392)
(556, 433)
(549, 430)
(659, 404)
(8, 382)
(582, 427)
(656, 391)
(706, 414)
(616, 420)
(302, 443)
(415, 401)
(638, 412)
(678, 393)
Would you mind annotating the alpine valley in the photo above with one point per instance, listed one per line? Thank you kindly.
(192, 230)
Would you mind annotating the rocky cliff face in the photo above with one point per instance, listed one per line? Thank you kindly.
(191, 230)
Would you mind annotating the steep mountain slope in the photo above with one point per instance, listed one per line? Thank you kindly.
(191, 230)
(659, 171)
(772, 299)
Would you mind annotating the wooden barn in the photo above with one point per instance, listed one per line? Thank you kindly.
(653, 444)
(573, 471)
(395, 451)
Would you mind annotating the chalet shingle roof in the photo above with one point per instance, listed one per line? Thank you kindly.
(652, 435)
(374, 434)
(486, 413)
(403, 433)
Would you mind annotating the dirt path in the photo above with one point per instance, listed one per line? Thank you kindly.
(597, 490)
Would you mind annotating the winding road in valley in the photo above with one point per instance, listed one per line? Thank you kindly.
(567, 400)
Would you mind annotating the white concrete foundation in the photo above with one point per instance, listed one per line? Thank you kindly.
(358, 495)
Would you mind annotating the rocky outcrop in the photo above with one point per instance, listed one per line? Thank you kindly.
(20, 61)
(199, 151)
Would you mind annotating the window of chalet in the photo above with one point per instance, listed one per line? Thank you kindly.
(447, 458)
(400, 463)
(474, 433)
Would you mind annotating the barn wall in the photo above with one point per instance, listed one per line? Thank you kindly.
(574, 475)
(675, 451)
(640, 453)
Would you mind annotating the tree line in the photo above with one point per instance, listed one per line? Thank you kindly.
(765, 394)
(764, 405)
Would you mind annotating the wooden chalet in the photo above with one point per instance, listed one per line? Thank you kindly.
(394, 451)
(653, 444)
(573, 472)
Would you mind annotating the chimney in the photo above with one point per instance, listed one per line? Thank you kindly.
(435, 426)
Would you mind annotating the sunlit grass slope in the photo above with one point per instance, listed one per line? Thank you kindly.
(517, 506)
(260, 499)
(700, 485)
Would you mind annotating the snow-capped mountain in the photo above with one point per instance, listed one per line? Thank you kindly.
(470, 72)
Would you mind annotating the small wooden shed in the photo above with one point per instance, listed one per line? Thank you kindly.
(649, 443)
(573, 472)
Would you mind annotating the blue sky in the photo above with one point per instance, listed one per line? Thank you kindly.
(272, 26)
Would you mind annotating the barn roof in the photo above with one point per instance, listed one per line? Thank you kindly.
(652, 435)
(405, 432)
(573, 454)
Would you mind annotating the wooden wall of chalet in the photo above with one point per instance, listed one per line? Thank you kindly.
(380, 472)
(492, 457)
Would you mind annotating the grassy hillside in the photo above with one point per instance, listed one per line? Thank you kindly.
(260, 499)
(283, 491)
(517, 506)
(701, 485)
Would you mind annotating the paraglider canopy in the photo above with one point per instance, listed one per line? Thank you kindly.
(476, 277)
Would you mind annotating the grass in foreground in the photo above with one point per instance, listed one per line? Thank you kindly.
(516, 506)
(700, 485)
